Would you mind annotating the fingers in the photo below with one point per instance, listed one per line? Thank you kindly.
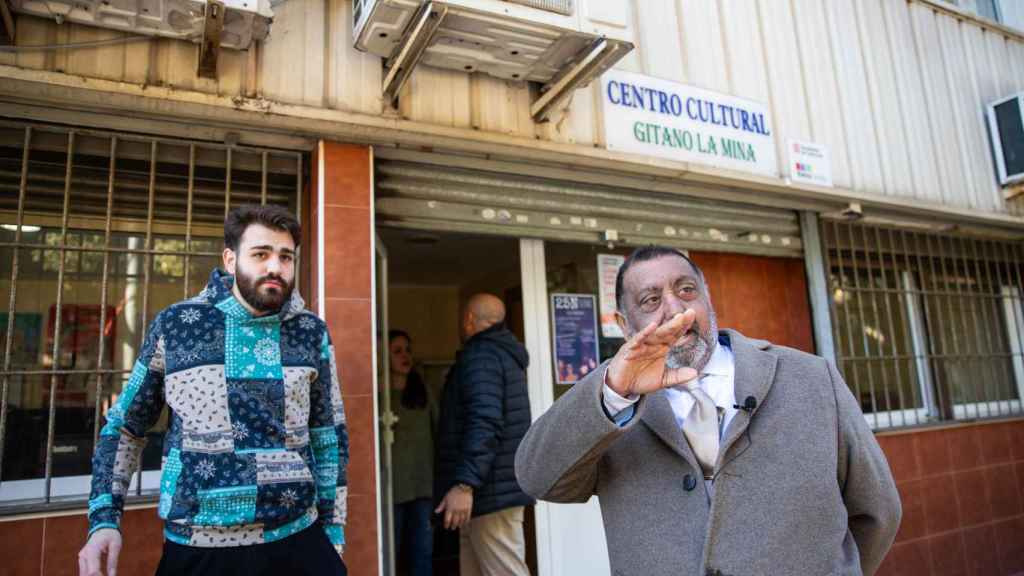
(113, 552)
(642, 335)
(89, 561)
(660, 336)
(677, 376)
(440, 507)
(670, 331)
(459, 519)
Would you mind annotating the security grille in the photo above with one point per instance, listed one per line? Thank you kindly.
(99, 232)
(928, 326)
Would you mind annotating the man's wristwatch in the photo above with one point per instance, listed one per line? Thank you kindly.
(463, 487)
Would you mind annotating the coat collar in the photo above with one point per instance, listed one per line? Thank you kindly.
(755, 373)
(658, 416)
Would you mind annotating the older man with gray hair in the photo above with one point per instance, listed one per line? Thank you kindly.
(713, 453)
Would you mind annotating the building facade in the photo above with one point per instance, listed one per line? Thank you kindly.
(828, 164)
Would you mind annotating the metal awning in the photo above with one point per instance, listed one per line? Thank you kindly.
(442, 198)
(528, 44)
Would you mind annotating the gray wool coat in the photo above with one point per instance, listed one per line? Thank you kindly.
(801, 486)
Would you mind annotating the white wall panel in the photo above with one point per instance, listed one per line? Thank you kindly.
(826, 125)
(745, 58)
(854, 98)
(580, 121)
(613, 19)
(293, 56)
(894, 88)
(959, 45)
(993, 80)
(661, 44)
(744, 52)
(782, 57)
(937, 97)
(1016, 65)
(886, 106)
(500, 106)
(703, 45)
(915, 108)
(353, 77)
(437, 96)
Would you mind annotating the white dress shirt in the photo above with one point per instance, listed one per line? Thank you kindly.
(717, 380)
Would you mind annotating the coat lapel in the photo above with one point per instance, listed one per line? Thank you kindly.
(659, 418)
(754, 375)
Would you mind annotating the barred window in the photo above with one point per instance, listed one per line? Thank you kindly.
(98, 233)
(927, 326)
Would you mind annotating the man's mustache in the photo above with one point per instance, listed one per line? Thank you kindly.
(272, 278)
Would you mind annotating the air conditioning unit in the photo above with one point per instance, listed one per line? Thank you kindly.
(1006, 128)
(520, 40)
(241, 21)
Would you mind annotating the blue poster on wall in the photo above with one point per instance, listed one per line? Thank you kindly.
(574, 317)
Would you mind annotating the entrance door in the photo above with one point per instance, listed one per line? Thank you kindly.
(423, 279)
(387, 416)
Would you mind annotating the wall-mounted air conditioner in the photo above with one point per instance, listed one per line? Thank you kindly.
(241, 21)
(1006, 128)
(544, 41)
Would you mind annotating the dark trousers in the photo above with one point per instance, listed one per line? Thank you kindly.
(412, 528)
(308, 553)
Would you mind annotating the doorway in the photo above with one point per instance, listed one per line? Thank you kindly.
(423, 280)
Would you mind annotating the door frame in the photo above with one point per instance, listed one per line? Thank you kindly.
(551, 521)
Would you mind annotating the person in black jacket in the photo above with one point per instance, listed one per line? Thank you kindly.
(485, 412)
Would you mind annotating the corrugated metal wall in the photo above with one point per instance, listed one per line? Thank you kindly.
(894, 88)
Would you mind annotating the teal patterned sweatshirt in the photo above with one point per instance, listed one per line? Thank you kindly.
(256, 446)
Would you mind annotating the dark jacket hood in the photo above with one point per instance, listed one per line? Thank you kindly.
(499, 335)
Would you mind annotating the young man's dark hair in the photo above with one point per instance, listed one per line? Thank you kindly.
(643, 254)
(276, 217)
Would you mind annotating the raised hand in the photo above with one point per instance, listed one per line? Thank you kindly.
(639, 365)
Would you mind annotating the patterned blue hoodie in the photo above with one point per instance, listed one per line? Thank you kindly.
(256, 445)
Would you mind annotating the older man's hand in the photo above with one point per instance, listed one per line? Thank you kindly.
(457, 506)
(639, 365)
(105, 541)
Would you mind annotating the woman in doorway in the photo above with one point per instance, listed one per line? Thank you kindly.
(412, 457)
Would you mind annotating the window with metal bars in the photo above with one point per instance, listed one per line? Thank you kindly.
(928, 326)
(98, 233)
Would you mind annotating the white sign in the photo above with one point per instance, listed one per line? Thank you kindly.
(656, 117)
(607, 270)
(809, 163)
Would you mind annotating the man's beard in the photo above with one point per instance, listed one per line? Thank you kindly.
(697, 354)
(269, 300)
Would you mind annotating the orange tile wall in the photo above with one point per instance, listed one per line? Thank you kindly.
(962, 490)
(761, 297)
(49, 546)
(348, 266)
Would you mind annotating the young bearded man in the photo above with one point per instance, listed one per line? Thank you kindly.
(253, 478)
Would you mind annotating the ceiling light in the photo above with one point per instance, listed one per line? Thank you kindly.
(24, 227)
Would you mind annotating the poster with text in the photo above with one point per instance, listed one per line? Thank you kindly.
(575, 334)
(607, 270)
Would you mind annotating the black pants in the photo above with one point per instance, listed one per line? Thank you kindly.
(308, 553)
